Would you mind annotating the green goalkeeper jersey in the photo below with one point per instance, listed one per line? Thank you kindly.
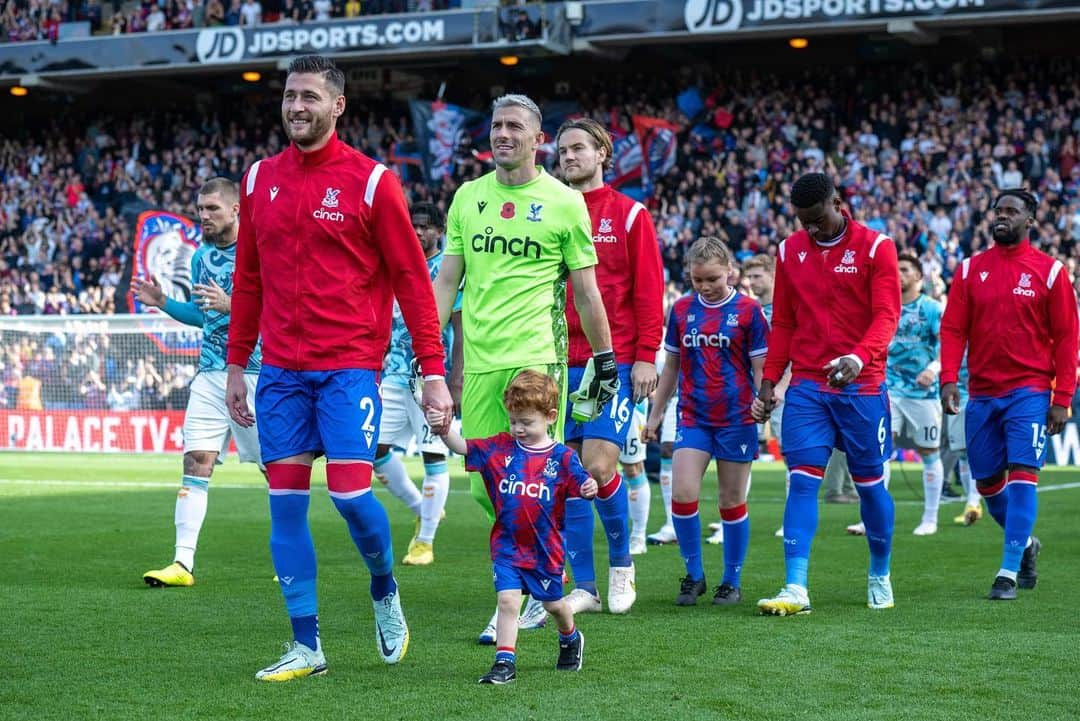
(518, 244)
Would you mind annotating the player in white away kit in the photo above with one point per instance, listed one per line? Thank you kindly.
(403, 419)
(666, 533)
(632, 458)
(954, 426)
(912, 377)
(207, 425)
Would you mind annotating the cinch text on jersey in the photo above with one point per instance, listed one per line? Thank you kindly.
(336, 216)
(693, 339)
(487, 243)
(521, 488)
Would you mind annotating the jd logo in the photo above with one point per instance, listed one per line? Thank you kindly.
(220, 45)
(712, 16)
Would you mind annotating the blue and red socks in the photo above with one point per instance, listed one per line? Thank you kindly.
(1020, 520)
(349, 485)
(613, 505)
(292, 548)
(505, 653)
(736, 522)
(568, 636)
(687, 522)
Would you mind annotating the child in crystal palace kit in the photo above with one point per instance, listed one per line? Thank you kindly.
(528, 477)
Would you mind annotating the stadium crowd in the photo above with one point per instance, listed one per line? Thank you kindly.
(919, 155)
(29, 20)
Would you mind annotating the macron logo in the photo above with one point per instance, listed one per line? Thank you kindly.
(982, 276)
(273, 193)
(802, 255)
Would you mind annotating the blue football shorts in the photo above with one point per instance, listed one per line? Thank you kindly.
(816, 421)
(738, 444)
(613, 424)
(536, 582)
(335, 413)
(1009, 429)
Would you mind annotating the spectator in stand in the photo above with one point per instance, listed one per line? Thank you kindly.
(251, 12)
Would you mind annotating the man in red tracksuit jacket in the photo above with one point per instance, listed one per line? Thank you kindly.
(836, 306)
(631, 281)
(1014, 309)
(325, 242)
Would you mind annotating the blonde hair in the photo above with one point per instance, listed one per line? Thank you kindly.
(761, 260)
(707, 249)
(531, 391)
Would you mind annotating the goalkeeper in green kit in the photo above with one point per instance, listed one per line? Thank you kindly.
(515, 235)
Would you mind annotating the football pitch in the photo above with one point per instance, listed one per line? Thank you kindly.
(84, 638)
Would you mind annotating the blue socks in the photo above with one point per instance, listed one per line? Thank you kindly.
(1020, 521)
(687, 522)
(800, 521)
(578, 538)
(350, 489)
(306, 630)
(878, 515)
(613, 505)
(736, 522)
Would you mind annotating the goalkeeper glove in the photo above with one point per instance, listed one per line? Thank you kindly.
(599, 385)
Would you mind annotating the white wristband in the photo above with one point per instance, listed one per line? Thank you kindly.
(434, 377)
(934, 367)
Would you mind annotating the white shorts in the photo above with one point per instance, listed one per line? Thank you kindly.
(919, 419)
(207, 425)
(954, 426)
(668, 427)
(633, 450)
(776, 420)
(402, 419)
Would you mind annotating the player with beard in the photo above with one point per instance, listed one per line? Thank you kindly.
(516, 235)
(1014, 309)
(325, 245)
(631, 283)
(207, 425)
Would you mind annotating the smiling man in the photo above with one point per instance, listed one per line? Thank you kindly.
(325, 244)
(515, 235)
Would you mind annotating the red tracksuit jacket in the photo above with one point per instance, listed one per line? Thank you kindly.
(831, 301)
(630, 277)
(325, 243)
(1015, 311)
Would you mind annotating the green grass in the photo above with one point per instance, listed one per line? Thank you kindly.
(83, 638)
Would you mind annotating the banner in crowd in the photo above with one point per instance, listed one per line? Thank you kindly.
(94, 431)
(659, 146)
(163, 246)
(441, 130)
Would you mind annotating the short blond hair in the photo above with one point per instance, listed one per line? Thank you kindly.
(710, 248)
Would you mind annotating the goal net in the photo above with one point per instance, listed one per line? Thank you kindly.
(109, 383)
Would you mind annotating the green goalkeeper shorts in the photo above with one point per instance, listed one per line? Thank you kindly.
(483, 414)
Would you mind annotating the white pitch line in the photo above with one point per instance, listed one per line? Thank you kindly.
(251, 486)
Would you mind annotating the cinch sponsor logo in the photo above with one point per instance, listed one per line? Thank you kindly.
(521, 488)
(1023, 287)
(488, 242)
(845, 269)
(693, 339)
(337, 216)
